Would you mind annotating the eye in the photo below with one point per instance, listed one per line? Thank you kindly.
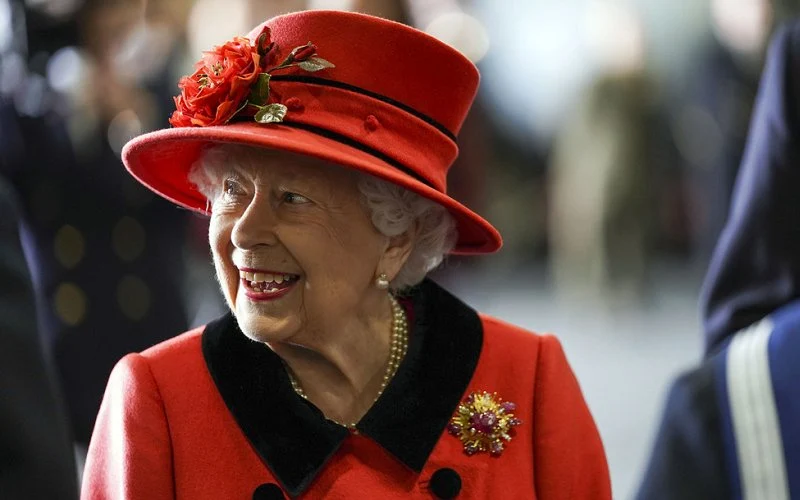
(231, 188)
(294, 198)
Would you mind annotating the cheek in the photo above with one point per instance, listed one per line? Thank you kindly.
(349, 255)
(218, 235)
(219, 240)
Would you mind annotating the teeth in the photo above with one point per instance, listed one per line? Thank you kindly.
(257, 277)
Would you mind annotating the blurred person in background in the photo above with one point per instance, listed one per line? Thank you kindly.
(602, 203)
(107, 256)
(730, 426)
(340, 370)
(36, 457)
(710, 126)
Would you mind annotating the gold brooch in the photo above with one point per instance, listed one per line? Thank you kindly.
(484, 422)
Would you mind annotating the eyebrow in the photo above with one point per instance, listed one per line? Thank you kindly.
(246, 170)
(232, 173)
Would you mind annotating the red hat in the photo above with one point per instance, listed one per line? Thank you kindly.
(369, 94)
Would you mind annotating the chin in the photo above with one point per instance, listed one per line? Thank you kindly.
(255, 335)
(261, 329)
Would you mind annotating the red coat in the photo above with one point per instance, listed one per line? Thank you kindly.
(211, 415)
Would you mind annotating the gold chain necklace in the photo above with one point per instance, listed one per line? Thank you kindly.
(399, 346)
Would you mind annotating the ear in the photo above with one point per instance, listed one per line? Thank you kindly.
(397, 250)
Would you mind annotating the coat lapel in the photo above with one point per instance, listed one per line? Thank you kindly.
(295, 439)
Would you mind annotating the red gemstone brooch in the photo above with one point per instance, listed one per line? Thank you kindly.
(484, 422)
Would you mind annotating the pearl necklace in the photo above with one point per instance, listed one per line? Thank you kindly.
(399, 346)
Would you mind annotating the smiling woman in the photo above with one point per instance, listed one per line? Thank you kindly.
(340, 371)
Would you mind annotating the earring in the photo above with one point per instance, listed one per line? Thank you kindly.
(382, 281)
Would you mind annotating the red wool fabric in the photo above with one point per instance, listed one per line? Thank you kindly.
(164, 432)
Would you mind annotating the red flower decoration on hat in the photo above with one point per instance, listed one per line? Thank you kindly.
(232, 78)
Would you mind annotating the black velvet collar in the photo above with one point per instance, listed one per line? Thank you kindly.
(293, 437)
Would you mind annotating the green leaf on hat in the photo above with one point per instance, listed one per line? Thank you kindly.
(271, 113)
(244, 105)
(315, 63)
(259, 92)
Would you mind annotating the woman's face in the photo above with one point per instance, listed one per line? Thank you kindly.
(294, 248)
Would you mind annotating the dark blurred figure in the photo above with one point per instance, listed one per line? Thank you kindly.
(730, 425)
(711, 126)
(36, 458)
(98, 240)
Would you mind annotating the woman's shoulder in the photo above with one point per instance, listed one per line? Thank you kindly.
(187, 343)
(512, 339)
(174, 366)
(503, 331)
(182, 353)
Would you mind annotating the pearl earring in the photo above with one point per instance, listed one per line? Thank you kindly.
(382, 281)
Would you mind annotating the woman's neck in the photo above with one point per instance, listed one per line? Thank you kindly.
(341, 372)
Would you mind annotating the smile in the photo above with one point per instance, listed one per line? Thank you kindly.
(262, 285)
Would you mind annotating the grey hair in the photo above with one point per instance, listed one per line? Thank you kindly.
(393, 209)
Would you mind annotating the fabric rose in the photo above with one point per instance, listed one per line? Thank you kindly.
(233, 78)
(304, 52)
(221, 82)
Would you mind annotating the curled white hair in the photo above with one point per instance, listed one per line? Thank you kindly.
(393, 209)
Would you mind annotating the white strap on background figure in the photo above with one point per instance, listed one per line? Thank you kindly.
(756, 429)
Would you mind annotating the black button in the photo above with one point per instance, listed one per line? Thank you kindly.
(445, 483)
(268, 491)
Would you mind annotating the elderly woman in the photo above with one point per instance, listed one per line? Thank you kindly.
(341, 372)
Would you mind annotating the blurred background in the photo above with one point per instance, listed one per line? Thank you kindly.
(603, 144)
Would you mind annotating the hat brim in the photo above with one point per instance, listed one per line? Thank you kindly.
(161, 160)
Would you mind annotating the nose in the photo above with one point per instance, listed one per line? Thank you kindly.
(256, 226)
